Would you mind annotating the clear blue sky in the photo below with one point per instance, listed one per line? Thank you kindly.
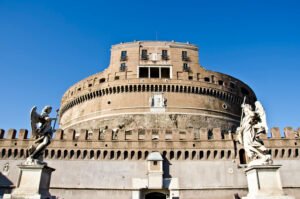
(47, 46)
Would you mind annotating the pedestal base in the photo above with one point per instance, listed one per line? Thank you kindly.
(264, 183)
(33, 183)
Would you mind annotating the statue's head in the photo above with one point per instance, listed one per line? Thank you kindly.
(247, 108)
(47, 109)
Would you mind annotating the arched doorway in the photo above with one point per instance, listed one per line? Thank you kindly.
(155, 195)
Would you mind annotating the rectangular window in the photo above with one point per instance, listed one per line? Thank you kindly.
(164, 55)
(143, 72)
(128, 135)
(184, 56)
(122, 67)
(154, 72)
(232, 85)
(144, 55)
(185, 67)
(165, 72)
(206, 79)
(123, 55)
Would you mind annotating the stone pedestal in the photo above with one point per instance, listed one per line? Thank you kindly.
(33, 183)
(264, 183)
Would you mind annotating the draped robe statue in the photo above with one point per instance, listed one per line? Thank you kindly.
(253, 124)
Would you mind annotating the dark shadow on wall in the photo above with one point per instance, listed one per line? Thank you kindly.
(6, 185)
(166, 168)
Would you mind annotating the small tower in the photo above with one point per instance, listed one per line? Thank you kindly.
(155, 170)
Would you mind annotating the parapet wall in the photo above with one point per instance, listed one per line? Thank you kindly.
(136, 144)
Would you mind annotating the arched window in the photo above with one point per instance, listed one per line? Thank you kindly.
(242, 156)
(193, 155)
(118, 155)
(72, 153)
(186, 155)
(78, 154)
(3, 153)
(92, 154)
(15, 153)
(207, 154)
(139, 155)
(65, 154)
(215, 154)
(178, 155)
(9, 153)
(104, 154)
(52, 154)
(125, 155)
(222, 154)
(132, 155)
(58, 154)
(171, 155)
(22, 153)
(98, 154)
(201, 155)
(112, 155)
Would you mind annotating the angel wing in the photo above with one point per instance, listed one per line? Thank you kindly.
(35, 119)
(259, 110)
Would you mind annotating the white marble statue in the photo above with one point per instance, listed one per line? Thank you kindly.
(42, 131)
(253, 124)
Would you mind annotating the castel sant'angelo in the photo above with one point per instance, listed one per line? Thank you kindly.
(154, 124)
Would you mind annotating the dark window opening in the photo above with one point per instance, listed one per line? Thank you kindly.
(123, 55)
(117, 77)
(186, 67)
(242, 156)
(144, 72)
(154, 72)
(144, 55)
(221, 83)
(165, 72)
(185, 56)
(79, 89)
(90, 85)
(232, 85)
(102, 80)
(122, 67)
(156, 195)
(164, 55)
(206, 79)
(154, 162)
(190, 77)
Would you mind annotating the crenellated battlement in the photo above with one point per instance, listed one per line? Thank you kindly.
(202, 134)
(136, 144)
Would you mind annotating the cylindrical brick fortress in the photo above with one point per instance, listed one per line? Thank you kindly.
(155, 84)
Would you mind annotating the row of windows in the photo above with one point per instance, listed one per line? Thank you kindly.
(165, 72)
(154, 88)
(164, 55)
(142, 155)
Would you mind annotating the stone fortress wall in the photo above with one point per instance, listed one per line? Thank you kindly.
(202, 160)
(154, 97)
(189, 89)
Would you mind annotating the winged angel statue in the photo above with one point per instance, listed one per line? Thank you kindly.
(42, 131)
(253, 124)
